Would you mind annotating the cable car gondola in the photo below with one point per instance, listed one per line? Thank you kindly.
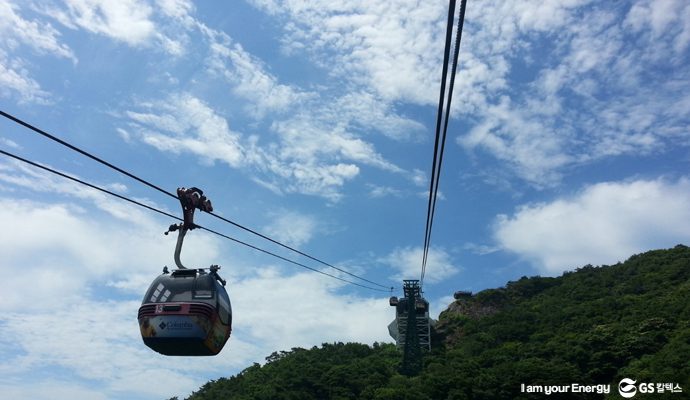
(186, 312)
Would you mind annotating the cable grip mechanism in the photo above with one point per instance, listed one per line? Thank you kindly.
(190, 200)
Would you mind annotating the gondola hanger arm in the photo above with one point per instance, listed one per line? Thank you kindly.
(190, 199)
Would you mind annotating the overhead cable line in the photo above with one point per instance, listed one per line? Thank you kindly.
(441, 134)
(296, 251)
(158, 188)
(138, 203)
(444, 73)
(83, 152)
(77, 180)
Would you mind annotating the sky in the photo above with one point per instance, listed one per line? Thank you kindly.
(312, 122)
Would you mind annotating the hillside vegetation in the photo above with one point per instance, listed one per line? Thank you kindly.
(594, 325)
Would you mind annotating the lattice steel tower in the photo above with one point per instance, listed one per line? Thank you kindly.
(411, 328)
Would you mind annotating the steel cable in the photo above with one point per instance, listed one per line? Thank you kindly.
(158, 188)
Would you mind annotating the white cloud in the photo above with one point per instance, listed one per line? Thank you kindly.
(545, 15)
(248, 76)
(396, 53)
(480, 249)
(439, 305)
(307, 139)
(190, 126)
(124, 134)
(392, 48)
(15, 77)
(603, 224)
(250, 80)
(408, 262)
(267, 304)
(291, 228)
(67, 254)
(133, 22)
(127, 20)
(383, 191)
(74, 248)
(669, 19)
(419, 177)
(310, 157)
(323, 180)
(321, 155)
(98, 344)
(370, 112)
(535, 150)
(50, 390)
(15, 81)
(319, 141)
(19, 174)
(180, 10)
(9, 143)
(558, 114)
(42, 37)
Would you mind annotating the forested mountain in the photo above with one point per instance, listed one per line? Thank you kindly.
(595, 325)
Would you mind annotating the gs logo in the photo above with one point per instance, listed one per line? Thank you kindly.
(627, 388)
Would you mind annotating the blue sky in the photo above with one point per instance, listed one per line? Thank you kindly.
(312, 122)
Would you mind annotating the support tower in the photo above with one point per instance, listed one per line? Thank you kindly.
(411, 328)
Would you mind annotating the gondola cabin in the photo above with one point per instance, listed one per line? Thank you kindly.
(186, 313)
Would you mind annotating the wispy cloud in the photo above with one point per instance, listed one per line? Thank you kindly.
(384, 191)
(480, 249)
(408, 262)
(317, 140)
(310, 158)
(128, 21)
(16, 82)
(40, 37)
(305, 138)
(9, 143)
(354, 109)
(561, 115)
(133, 22)
(184, 123)
(389, 47)
(291, 228)
(669, 20)
(21, 175)
(523, 141)
(179, 10)
(247, 76)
